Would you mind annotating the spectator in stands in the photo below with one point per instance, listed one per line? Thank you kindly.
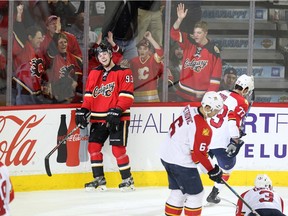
(66, 73)
(150, 19)
(194, 14)
(202, 65)
(229, 78)
(41, 9)
(96, 14)
(147, 69)
(63, 9)
(49, 48)
(175, 67)
(77, 29)
(19, 36)
(3, 72)
(4, 8)
(121, 20)
(30, 73)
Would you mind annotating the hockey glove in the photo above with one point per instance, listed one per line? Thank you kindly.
(81, 117)
(242, 132)
(113, 119)
(233, 148)
(216, 174)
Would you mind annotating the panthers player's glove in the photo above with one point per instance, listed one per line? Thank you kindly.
(233, 148)
(216, 174)
(81, 117)
(113, 119)
(242, 132)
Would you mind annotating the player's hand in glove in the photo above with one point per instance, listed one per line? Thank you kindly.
(81, 117)
(252, 214)
(113, 119)
(216, 174)
(242, 132)
(233, 148)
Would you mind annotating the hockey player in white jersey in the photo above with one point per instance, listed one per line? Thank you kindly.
(6, 192)
(261, 198)
(184, 148)
(226, 142)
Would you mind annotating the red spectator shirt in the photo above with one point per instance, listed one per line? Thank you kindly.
(146, 73)
(202, 67)
(72, 47)
(31, 70)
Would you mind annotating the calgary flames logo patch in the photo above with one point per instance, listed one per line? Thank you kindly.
(205, 132)
(195, 65)
(105, 90)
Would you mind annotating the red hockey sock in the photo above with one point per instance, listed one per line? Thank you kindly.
(192, 211)
(172, 210)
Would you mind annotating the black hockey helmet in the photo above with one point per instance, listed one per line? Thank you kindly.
(102, 48)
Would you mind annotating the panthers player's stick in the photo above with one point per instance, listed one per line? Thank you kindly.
(47, 165)
(233, 191)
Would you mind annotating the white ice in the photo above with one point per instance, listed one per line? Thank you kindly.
(146, 201)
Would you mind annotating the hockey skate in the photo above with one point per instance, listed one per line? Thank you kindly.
(99, 183)
(127, 184)
(213, 196)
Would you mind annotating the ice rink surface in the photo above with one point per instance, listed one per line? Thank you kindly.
(146, 201)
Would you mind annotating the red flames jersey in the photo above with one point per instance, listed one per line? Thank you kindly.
(63, 63)
(31, 70)
(202, 67)
(146, 73)
(115, 91)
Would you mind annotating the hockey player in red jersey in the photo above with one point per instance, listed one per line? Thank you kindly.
(108, 97)
(185, 148)
(226, 142)
(201, 64)
(7, 191)
(147, 68)
(262, 198)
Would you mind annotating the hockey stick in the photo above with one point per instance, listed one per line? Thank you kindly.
(233, 191)
(47, 165)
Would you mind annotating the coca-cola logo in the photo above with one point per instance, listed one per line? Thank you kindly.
(20, 150)
(77, 137)
(74, 137)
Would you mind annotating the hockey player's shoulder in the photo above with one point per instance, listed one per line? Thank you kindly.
(120, 67)
(99, 67)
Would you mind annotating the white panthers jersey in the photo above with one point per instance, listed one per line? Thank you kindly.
(259, 198)
(6, 191)
(188, 140)
(225, 125)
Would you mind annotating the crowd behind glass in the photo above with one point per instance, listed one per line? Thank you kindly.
(48, 47)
